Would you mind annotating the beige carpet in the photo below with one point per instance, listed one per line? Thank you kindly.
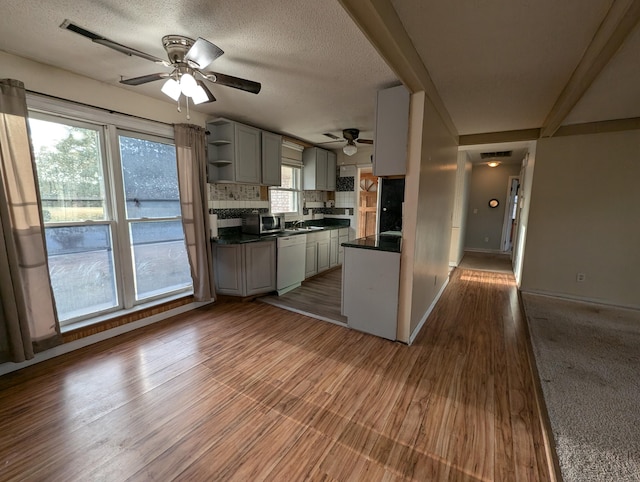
(588, 358)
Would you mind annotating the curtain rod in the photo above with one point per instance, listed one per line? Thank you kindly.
(110, 111)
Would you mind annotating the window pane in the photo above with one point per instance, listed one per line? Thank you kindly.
(159, 257)
(81, 269)
(150, 178)
(284, 201)
(288, 177)
(69, 169)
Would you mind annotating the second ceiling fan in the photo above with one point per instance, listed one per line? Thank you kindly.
(351, 136)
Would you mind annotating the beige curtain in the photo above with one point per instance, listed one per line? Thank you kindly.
(26, 300)
(192, 179)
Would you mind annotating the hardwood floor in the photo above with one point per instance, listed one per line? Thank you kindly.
(318, 297)
(497, 262)
(247, 391)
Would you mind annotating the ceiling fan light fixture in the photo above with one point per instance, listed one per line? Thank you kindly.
(350, 149)
(199, 95)
(188, 84)
(172, 88)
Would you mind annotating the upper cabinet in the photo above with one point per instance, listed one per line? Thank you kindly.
(248, 149)
(331, 170)
(319, 173)
(271, 158)
(391, 132)
(242, 154)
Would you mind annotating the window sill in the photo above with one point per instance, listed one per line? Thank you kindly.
(122, 317)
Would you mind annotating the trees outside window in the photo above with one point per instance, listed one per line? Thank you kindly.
(112, 216)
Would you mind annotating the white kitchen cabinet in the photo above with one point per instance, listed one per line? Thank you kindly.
(245, 269)
(370, 282)
(323, 253)
(311, 258)
(343, 237)
(228, 269)
(391, 132)
(233, 152)
(271, 158)
(334, 248)
(260, 267)
(331, 170)
(315, 171)
(248, 154)
(317, 253)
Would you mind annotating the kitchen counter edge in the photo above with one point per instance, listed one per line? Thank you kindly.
(378, 242)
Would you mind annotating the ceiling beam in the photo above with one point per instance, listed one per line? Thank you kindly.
(620, 20)
(380, 23)
(499, 137)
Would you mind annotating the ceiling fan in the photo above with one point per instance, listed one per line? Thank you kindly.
(186, 57)
(351, 136)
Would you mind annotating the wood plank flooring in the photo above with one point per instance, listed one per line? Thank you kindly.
(247, 391)
(318, 297)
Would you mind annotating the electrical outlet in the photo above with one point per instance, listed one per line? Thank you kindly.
(486, 239)
(580, 277)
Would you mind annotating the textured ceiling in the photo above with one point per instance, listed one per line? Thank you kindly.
(498, 66)
(318, 72)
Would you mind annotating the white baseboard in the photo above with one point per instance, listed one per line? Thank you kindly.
(582, 299)
(98, 337)
(428, 312)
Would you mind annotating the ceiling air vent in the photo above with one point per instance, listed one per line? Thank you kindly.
(493, 155)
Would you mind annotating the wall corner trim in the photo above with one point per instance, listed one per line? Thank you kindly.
(416, 332)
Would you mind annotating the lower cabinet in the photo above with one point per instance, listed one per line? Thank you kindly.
(334, 248)
(311, 258)
(343, 237)
(245, 269)
(324, 250)
(323, 253)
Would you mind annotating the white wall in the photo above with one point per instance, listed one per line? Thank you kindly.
(48, 80)
(585, 218)
(484, 224)
(428, 211)
(458, 229)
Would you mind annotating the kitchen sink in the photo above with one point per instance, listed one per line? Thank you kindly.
(304, 228)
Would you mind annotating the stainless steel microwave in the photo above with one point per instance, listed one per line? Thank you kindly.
(262, 223)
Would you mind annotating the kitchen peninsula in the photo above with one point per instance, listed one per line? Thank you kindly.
(370, 283)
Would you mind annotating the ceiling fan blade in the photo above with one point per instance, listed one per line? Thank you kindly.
(364, 141)
(145, 78)
(99, 39)
(202, 53)
(235, 82)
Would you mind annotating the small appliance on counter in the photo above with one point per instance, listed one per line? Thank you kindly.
(262, 223)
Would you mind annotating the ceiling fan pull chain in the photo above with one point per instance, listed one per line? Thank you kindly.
(186, 101)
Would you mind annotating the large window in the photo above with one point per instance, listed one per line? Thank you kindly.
(286, 197)
(112, 216)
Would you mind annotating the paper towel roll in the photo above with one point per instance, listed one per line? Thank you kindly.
(213, 225)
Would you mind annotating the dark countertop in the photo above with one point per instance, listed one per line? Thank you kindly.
(378, 242)
(235, 235)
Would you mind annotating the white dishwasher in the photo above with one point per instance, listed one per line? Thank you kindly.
(290, 264)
